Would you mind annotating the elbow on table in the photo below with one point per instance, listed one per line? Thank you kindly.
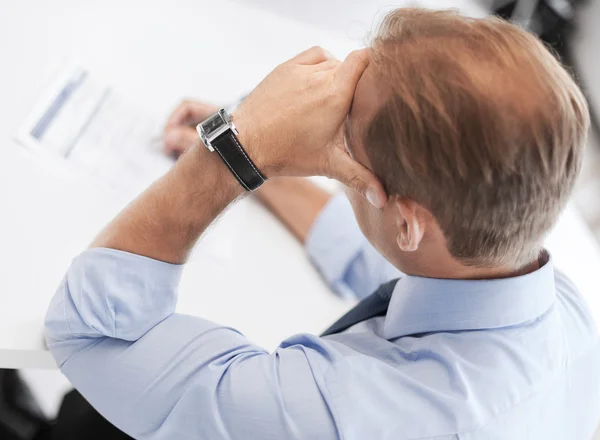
(64, 338)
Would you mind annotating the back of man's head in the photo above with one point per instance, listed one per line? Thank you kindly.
(481, 125)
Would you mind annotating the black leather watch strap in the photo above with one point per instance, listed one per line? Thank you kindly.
(237, 160)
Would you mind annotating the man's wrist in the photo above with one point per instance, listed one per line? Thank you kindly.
(199, 166)
(250, 140)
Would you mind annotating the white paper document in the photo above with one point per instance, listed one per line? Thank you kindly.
(83, 122)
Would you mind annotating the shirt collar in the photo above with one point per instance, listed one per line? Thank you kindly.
(423, 305)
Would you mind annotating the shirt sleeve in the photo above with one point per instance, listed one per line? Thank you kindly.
(351, 266)
(158, 375)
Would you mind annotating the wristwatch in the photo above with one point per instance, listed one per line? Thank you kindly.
(219, 134)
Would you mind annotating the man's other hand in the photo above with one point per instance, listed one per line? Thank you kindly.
(180, 129)
(292, 122)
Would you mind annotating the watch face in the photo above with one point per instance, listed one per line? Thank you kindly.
(212, 124)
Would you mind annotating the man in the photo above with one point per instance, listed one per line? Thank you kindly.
(476, 133)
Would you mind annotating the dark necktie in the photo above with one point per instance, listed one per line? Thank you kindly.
(373, 305)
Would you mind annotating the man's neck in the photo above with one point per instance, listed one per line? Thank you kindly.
(443, 265)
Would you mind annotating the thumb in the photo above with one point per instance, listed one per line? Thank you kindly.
(357, 177)
(350, 71)
(178, 139)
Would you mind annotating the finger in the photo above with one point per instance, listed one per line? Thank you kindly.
(190, 113)
(314, 55)
(179, 139)
(351, 70)
(328, 65)
(357, 177)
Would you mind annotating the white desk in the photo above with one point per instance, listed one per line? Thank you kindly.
(157, 55)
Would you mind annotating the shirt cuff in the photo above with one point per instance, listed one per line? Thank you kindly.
(333, 242)
(112, 293)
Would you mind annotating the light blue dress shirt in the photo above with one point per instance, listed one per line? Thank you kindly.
(512, 359)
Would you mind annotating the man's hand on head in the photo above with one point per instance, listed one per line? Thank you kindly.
(180, 130)
(292, 123)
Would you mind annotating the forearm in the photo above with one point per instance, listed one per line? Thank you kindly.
(352, 267)
(166, 220)
(295, 201)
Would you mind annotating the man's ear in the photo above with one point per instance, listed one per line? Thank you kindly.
(410, 224)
